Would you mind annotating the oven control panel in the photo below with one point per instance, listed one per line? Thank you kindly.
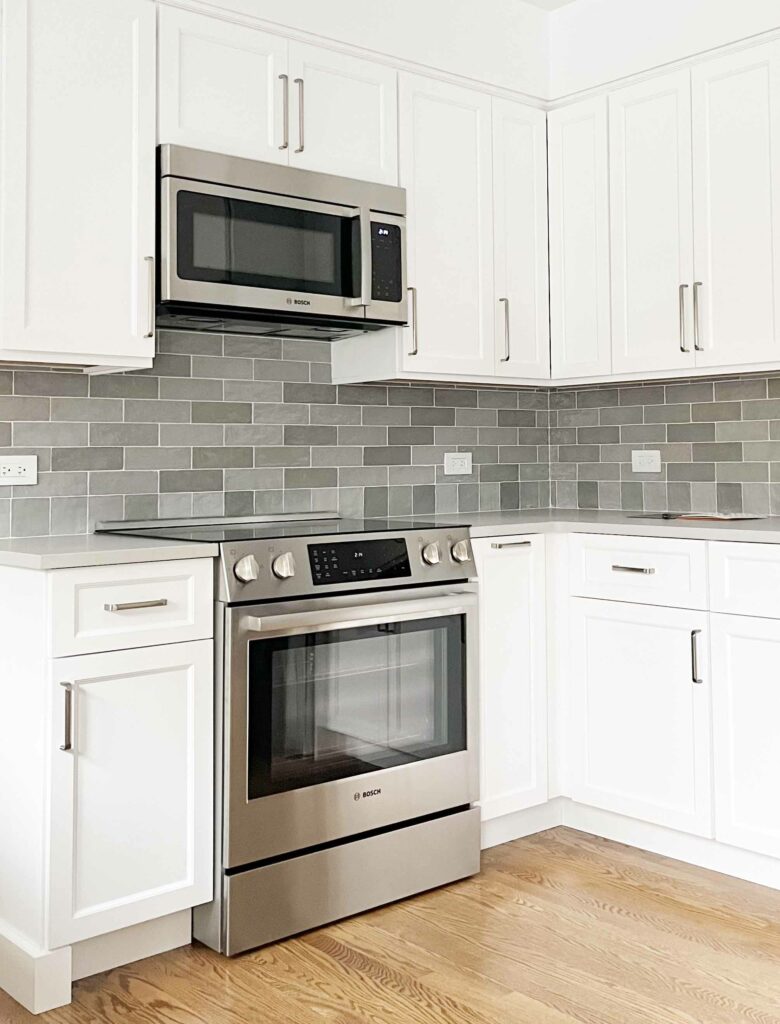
(359, 561)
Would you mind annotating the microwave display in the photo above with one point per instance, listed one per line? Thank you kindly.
(386, 263)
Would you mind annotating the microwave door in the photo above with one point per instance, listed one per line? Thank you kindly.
(234, 247)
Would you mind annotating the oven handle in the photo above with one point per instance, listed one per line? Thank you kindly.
(367, 615)
(363, 213)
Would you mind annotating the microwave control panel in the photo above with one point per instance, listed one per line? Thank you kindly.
(386, 274)
(359, 561)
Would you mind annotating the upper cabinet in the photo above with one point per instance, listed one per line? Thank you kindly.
(579, 240)
(77, 188)
(238, 90)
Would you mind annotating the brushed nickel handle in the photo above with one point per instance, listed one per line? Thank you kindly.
(67, 743)
(511, 544)
(696, 337)
(505, 358)
(128, 606)
(299, 83)
(414, 349)
(683, 345)
(285, 79)
(695, 658)
(149, 261)
(633, 568)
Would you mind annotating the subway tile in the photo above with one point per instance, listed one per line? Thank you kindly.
(82, 410)
(598, 471)
(50, 485)
(648, 433)
(340, 455)
(632, 497)
(768, 409)
(712, 412)
(280, 370)
(411, 474)
(457, 398)
(190, 434)
(320, 394)
(579, 453)
(5, 435)
(390, 456)
(223, 367)
(704, 497)
(190, 388)
(23, 408)
(693, 432)
(578, 417)
(30, 517)
(364, 476)
(598, 435)
(158, 458)
(423, 500)
(497, 399)
(363, 436)
(123, 482)
(392, 417)
(338, 415)
(40, 382)
(267, 502)
(506, 417)
(253, 391)
(221, 412)
(122, 434)
(306, 351)
(297, 478)
(376, 501)
(283, 456)
(400, 501)
(671, 413)
(156, 411)
(649, 394)
(598, 398)
(690, 471)
(239, 503)
(64, 459)
(725, 451)
(463, 436)
(747, 430)
(47, 435)
(737, 472)
(508, 435)
(319, 373)
(6, 384)
(412, 435)
(742, 390)
(252, 347)
(222, 458)
(68, 516)
(255, 434)
(730, 498)
(588, 495)
(189, 342)
(305, 435)
(409, 396)
(621, 414)
(679, 497)
(498, 472)
(257, 479)
(362, 394)
(280, 413)
(169, 365)
(139, 506)
(437, 417)
(190, 480)
(515, 454)
(695, 391)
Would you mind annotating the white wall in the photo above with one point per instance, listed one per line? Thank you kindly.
(501, 42)
(593, 42)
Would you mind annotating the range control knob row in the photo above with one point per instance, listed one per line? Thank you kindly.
(246, 569)
(460, 551)
(431, 554)
(283, 566)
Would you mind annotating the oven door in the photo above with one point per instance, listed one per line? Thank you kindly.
(346, 714)
(233, 247)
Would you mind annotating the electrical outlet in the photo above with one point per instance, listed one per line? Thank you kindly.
(457, 463)
(18, 469)
(646, 462)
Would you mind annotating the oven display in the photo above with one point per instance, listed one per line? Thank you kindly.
(359, 561)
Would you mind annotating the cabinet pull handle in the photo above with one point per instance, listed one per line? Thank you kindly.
(128, 606)
(299, 83)
(67, 743)
(507, 351)
(414, 349)
(695, 658)
(285, 79)
(683, 345)
(149, 261)
(696, 338)
(511, 544)
(633, 568)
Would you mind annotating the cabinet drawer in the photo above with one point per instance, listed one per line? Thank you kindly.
(745, 579)
(110, 608)
(643, 570)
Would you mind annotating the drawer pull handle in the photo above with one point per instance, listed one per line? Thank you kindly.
(695, 658)
(129, 606)
(67, 743)
(511, 544)
(633, 568)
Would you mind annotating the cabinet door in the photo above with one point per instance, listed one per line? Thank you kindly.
(445, 164)
(221, 86)
(77, 195)
(513, 687)
(579, 240)
(651, 225)
(746, 708)
(736, 162)
(131, 800)
(520, 225)
(639, 732)
(343, 115)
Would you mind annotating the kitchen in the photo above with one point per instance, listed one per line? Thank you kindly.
(351, 364)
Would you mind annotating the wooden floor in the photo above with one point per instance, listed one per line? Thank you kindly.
(559, 927)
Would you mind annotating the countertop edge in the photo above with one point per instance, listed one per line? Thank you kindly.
(42, 561)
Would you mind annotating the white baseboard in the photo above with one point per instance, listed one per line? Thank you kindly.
(38, 979)
(92, 956)
(521, 823)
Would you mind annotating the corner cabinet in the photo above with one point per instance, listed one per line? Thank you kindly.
(513, 673)
(77, 188)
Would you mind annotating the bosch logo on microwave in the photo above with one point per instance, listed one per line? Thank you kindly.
(298, 302)
(366, 794)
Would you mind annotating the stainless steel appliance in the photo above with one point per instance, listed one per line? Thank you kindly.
(265, 249)
(346, 708)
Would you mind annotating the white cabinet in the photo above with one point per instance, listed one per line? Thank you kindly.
(639, 736)
(235, 89)
(131, 796)
(736, 166)
(579, 240)
(651, 205)
(513, 683)
(77, 188)
(520, 226)
(445, 164)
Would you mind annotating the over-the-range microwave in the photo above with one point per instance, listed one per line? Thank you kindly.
(259, 248)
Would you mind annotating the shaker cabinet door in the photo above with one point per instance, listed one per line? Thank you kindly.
(131, 787)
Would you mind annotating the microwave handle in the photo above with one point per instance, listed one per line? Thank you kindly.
(364, 299)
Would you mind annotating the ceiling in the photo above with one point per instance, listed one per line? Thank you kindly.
(549, 5)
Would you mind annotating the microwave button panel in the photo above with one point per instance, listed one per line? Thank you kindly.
(386, 263)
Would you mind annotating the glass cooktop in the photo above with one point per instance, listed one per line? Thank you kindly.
(220, 533)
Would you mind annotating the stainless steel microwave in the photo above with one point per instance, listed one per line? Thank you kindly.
(266, 249)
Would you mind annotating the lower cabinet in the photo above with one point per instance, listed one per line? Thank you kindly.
(746, 710)
(639, 735)
(131, 787)
(513, 669)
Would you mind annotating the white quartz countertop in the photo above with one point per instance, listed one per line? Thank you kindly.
(495, 524)
(96, 549)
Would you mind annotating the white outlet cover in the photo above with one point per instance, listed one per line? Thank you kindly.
(16, 470)
(646, 461)
(457, 463)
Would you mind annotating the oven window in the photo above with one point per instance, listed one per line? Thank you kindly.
(260, 245)
(331, 705)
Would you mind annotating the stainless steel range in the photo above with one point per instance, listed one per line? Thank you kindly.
(346, 718)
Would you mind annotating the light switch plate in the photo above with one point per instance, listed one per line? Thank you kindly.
(18, 469)
(457, 463)
(646, 462)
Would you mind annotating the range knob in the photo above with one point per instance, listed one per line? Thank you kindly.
(283, 566)
(460, 551)
(431, 554)
(246, 569)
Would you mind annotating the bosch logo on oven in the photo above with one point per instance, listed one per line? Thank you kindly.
(298, 302)
(366, 794)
